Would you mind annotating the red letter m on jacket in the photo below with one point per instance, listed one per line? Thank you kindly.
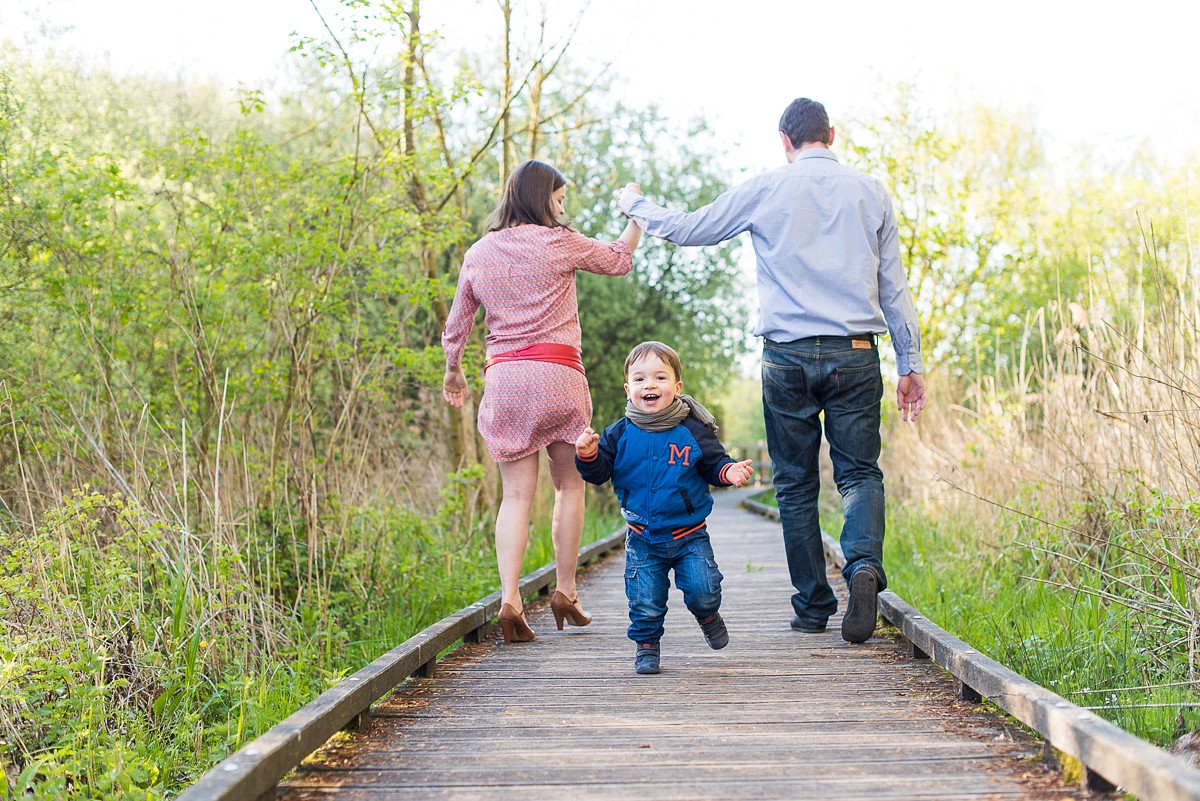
(682, 453)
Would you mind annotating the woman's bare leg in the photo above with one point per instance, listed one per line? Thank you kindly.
(512, 524)
(567, 527)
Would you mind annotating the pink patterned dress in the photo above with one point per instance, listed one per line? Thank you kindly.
(524, 277)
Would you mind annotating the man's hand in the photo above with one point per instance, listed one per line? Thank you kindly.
(910, 395)
(629, 193)
(587, 444)
(454, 387)
(739, 473)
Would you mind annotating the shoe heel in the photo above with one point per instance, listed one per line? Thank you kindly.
(567, 610)
(513, 624)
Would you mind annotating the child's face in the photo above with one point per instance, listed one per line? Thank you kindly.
(651, 385)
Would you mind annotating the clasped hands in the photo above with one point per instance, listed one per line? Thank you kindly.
(627, 195)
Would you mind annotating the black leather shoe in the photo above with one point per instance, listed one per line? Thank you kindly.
(807, 625)
(858, 624)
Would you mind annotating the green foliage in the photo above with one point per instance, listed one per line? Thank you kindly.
(964, 192)
(691, 298)
(1049, 621)
(203, 268)
(127, 666)
(742, 422)
(221, 317)
(991, 230)
(103, 672)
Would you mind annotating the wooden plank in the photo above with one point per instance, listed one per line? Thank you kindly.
(748, 787)
(957, 770)
(777, 714)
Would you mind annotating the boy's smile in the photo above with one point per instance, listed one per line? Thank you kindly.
(651, 384)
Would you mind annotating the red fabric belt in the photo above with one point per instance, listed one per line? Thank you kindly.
(552, 352)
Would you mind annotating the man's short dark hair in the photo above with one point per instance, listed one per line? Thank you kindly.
(805, 120)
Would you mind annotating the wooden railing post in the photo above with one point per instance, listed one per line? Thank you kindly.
(427, 670)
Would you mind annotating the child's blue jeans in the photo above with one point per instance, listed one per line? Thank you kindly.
(647, 583)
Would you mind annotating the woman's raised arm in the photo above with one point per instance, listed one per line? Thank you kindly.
(632, 235)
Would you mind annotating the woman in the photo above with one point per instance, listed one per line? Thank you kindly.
(535, 393)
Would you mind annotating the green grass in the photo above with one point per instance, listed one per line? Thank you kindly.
(129, 667)
(1004, 600)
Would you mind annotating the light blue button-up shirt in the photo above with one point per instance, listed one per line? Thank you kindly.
(827, 248)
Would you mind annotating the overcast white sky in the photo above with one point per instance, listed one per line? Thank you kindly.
(1111, 74)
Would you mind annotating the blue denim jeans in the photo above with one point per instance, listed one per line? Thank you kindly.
(803, 381)
(647, 566)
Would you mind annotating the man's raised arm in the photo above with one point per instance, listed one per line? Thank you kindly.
(725, 217)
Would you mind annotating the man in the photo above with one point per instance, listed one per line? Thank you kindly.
(829, 282)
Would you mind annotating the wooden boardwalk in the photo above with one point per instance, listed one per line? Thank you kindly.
(775, 715)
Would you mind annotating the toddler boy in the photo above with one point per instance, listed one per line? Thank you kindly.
(662, 457)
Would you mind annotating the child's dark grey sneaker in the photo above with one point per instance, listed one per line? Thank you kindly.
(646, 658)
(859, 622)
(714, 631)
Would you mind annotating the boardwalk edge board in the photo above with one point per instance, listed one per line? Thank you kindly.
(1125, 761)
(255, 768)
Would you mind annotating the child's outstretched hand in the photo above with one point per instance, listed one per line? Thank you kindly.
(739, 473)
(587, 444)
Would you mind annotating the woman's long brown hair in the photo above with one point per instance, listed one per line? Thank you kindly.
(527, 198)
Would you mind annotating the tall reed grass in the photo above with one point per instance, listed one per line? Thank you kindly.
(154, 624)
(1050, 508)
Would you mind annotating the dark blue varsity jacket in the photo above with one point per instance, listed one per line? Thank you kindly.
(661, 478)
